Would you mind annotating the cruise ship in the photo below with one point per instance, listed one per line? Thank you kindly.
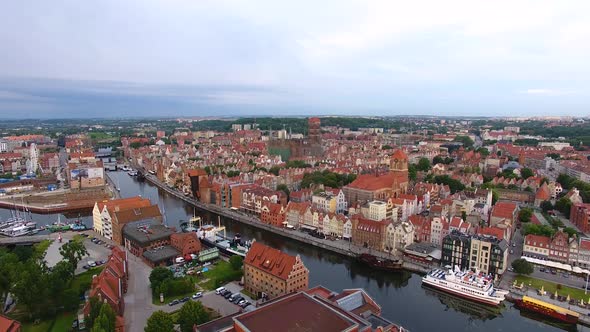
(467, 284)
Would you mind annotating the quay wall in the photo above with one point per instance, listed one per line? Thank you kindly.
(339, 247)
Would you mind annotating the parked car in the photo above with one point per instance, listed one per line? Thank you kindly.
(510, 269)
(227, 295)
(184, 299)
(542, 269)
(219, 290)
(91, 263)
(511, 251)
(99, 263)
(85, 267)
(237, 299)
(175, 302)
(197, 295)
(245, 304)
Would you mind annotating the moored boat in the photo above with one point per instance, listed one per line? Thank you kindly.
(547, 309)
(466, 284)
(380, 263)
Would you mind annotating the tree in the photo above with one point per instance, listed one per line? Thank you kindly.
(464, 215)
(522, 266)
(105, 320)
(95, 305)
(31, 287)
(570, 231)
(73, 252)
(466, 140)
(190, 314)
(526, 173)
(423, 165)
(159, 321)
(546, 206)
(135, 145)
(525, 214)
(158, 276)
(412, 172)
(454, 185)
(8, 274)
(495, 196)
(236, 262)
(275, 170)
(283, 187)
(60, 277)
(564, 205)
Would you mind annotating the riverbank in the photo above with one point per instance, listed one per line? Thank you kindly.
(55, 202)
(341, 247)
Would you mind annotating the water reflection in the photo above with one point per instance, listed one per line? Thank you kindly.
(473, 309)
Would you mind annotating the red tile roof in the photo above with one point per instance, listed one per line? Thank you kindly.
(537, 241)
(8, 325)
(270, 260)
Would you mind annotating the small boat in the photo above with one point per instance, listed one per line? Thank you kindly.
(547, 309)
(380, 263)
(58, 226)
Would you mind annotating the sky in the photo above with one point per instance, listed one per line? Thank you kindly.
(114, 58)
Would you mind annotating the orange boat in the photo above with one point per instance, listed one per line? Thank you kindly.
(548, 309)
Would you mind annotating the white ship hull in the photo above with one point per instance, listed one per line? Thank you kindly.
(484, 295)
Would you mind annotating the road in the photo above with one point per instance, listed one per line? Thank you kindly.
(138, 299)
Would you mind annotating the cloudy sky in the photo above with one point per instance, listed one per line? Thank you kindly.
(195, 57)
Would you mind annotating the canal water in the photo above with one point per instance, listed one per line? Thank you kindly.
(400, 294)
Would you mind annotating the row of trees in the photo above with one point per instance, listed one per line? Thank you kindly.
(327, 178)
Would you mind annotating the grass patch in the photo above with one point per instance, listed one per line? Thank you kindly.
(220, 274)
(41, 248)
(551, 287)
(43, 326)
(85, 278)
(63, 322)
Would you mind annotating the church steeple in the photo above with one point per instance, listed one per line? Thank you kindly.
(398, 161)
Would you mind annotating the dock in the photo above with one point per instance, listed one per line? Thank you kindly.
(24, 240)
(584, 312)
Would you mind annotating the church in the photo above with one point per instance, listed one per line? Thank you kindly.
(369, 187)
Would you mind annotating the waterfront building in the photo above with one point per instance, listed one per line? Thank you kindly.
(456, 249)
(273, 214)
(489, 254)
(271, 273)
(86, 174)
(368, 233)
(103, 212)
(146, 214)
(294, 213)
(185, 243)
(556, 248)
(150, 242)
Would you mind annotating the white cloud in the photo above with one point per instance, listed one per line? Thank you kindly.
(549, 92)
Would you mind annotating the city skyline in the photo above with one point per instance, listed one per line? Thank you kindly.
(228, 58)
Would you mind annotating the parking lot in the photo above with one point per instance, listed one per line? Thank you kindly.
(96, 252)
(219, 303)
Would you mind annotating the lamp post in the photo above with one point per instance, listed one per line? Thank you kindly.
(586, 288)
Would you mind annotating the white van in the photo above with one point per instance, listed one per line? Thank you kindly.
(219, 290)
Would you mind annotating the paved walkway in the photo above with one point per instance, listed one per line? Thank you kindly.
(541, 218)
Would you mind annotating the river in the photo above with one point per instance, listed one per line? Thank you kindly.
(400, 294)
